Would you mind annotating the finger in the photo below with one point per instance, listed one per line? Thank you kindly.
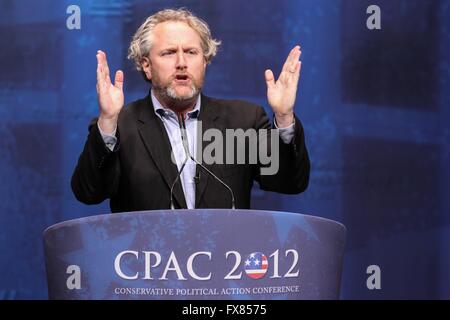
(286, 64)
(295, 60)
(118, 79)
(99, 71)
(105, 68)
(296, 74)
(100, 58)
(270, 80)
(105, 63)
(100, 76)
(292, 53)
(294, 77)
(296, 49)
(292, 71)
(294, 56)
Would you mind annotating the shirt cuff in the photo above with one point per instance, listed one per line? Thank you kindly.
(286, 134)
(109, 139)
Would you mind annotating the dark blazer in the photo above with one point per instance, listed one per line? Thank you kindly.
(138, 173)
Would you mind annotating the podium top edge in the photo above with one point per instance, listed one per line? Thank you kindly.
(97, 217)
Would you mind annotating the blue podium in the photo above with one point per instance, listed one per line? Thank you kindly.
(215, 254)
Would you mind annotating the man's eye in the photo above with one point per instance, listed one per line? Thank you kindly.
(166, 53)
(192, 51)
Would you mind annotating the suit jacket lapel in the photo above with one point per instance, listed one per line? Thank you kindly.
(208, 117)
(155, 138)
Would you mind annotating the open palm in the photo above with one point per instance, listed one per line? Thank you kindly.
(110, 96)
(281, 94)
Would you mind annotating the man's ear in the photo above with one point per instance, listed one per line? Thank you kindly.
(147, 67)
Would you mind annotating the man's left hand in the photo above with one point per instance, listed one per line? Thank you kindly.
(281, 93)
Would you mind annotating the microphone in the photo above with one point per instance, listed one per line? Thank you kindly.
(185, 142)
(172, 207)
(197, 177)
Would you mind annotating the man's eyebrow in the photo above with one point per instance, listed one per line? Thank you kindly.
(168, 48)
(175, 48)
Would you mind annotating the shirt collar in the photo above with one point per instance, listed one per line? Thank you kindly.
(162, 112)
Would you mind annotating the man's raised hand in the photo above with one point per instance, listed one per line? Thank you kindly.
(281, 94)
(110, 96)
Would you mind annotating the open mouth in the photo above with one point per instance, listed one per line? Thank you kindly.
(181, 78)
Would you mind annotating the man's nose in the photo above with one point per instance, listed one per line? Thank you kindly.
(181, 60)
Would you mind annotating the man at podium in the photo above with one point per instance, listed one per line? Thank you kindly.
(177, 147)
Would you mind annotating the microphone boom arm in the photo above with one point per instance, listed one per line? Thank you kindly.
(189, 156)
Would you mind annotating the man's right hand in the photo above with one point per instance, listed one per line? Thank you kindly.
(110, 97)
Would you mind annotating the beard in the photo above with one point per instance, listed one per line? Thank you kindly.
(174, 100)
(193, 93)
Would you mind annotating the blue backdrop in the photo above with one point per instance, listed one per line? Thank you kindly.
(374, 104)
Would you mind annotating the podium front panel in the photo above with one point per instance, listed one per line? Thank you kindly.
(195, 254)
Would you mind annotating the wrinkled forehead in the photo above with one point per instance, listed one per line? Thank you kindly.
(175, 33)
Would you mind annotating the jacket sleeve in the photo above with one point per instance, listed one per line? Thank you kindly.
(97, 173)
(292, 174)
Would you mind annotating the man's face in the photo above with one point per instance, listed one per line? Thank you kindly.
(177, 65)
